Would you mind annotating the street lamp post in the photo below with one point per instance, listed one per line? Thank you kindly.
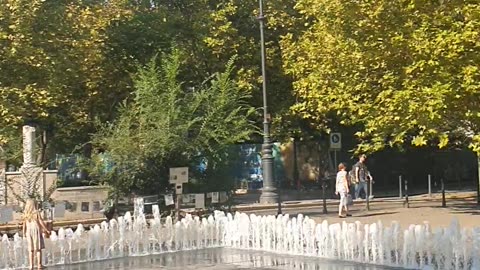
(269, 192)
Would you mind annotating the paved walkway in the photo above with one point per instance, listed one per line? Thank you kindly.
(253, 196)
(462, 207)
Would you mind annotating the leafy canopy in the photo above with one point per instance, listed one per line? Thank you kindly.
(54, 67)
(165, 124)
(407, 71)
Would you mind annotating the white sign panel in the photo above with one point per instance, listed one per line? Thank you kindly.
(178, 189)
(186, 198)
(215, 197)
(156, 210)
(335, 141)
(179, 175)
(169, 200)
(59, 210)
(223, 196)
(200, 201)
(6, 214)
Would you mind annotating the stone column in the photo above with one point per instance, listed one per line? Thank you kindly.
(28, 145)
(3, 188)
(32, 185)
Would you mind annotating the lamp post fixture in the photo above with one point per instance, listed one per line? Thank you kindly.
(269, 191)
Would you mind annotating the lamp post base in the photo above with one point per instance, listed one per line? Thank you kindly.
(269, 196)
(269, 190)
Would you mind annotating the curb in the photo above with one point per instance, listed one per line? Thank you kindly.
(319, 203)
(56, 224)
(6, 228)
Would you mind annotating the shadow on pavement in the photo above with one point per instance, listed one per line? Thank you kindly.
(469, 208)
(376, 214)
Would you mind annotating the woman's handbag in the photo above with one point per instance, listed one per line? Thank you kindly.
(42, 242)
(349, 199)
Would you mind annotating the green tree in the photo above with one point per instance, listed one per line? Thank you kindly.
(231, 28)
(407, 71)
(65, 64)
(165, 124)
(54, 68)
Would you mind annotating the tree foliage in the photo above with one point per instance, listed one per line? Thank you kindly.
(65, 64)
(407, 71)
(165, 124)
(53, 67)
(234, 29)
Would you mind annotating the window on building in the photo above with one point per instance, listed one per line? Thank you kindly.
(96, 206)
(85, 207)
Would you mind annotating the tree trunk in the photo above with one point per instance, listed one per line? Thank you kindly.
(296, 177)
(478, 179)
(42, 158)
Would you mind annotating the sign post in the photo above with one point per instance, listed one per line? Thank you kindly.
(335, 145)
(178, 177)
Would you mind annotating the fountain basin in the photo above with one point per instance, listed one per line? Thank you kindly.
(221, 259)
(416, 247)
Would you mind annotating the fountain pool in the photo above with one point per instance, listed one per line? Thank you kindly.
(415, 247)
(221, 259)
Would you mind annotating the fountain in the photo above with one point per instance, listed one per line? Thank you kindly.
(133, 236)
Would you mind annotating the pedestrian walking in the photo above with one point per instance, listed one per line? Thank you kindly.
(341, 189)
(361, 176)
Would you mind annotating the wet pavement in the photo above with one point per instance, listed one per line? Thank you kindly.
(221, 259)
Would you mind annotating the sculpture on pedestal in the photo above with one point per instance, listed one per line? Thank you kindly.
(31, 173)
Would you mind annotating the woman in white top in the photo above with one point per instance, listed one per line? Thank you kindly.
(341, 188)
(33, 229)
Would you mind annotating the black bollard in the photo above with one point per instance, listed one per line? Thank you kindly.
(324, 186)
(367, 197)
(177, 207)
(407, 204)
(444, 202)
(279, 205)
